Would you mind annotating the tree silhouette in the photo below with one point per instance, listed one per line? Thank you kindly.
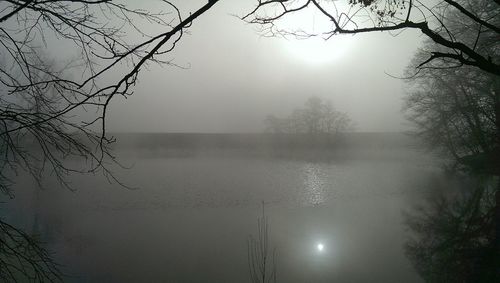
(454, 110)
(261, 257)
(316, 117)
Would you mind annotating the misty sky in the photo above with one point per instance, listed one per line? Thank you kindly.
(236, 77)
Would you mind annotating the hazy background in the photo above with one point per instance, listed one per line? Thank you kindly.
(234, 77)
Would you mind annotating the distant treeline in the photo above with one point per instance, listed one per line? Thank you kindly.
(248, 141)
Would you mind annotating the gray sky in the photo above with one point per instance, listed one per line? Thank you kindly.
(236, 77)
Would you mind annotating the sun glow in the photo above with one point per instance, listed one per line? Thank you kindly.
(318, 49)
(320, 247)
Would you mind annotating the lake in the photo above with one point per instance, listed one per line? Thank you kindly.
(334, 213)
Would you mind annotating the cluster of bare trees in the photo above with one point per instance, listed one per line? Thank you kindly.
(316, 117)
(455, 110)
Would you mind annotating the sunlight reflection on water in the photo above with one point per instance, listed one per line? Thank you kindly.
(314, 185)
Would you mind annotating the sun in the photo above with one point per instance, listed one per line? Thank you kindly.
(320, 247)
(316, 50)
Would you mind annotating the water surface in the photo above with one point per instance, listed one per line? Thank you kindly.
(193, 212)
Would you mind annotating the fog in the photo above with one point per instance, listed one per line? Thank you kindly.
(231, 78)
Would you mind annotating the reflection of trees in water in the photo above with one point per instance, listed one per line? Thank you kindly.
(453, 235)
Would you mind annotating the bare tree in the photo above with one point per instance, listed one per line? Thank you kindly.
(316, 117)
(261, 260)
(454, 110)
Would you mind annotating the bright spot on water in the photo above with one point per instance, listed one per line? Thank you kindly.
(314, 185)
(320, 247)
